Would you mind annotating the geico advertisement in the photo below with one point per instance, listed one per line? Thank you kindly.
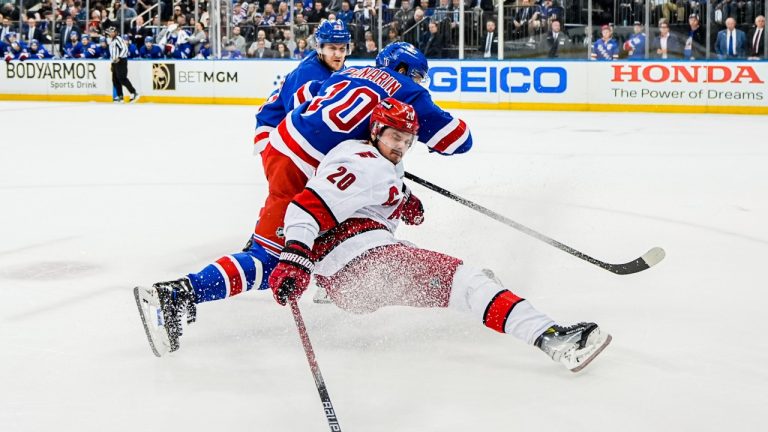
(222, 78)
(507, 81)
(56, 77)
(692, 83)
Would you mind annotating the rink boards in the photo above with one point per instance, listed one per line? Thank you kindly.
(713, 87)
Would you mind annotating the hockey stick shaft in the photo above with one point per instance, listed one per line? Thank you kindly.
(650, 258)
(330, 413)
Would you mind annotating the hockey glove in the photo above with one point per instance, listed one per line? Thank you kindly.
(8, 58)
(290, 277)
(412, 211)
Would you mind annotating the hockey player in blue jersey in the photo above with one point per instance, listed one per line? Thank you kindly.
(73, 48)
(399, 67)
(133, 50)
(37, 51)
(90, 48)
(149, 50)
(177, 43)
(635, 45)
(103, 48)
(14, 48)
(332, 44)
(606, 48)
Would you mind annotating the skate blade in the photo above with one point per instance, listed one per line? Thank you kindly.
(594, 353)
(148, 305)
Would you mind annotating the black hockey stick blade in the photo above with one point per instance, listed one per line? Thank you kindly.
(649, 259)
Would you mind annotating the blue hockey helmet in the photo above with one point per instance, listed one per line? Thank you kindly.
(33, 42)
(85, 36)
(149, 39)
(127, 37)
(10, 35)
(332, 32)
(72, 34)
(402, 54)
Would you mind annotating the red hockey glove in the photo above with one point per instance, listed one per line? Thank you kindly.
(412, 211)
(291, 276)
(8, 58)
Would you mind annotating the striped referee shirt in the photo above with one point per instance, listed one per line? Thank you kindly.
(117, 48)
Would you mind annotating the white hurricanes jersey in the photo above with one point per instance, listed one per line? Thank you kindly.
(353, 203)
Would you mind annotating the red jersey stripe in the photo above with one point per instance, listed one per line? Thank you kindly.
(451, 138)
(235, 282)
(294, 146)
(311, 203)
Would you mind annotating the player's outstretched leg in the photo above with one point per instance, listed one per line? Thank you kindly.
(161, 307)
(574, 346)
(502, 310)
(164, 304)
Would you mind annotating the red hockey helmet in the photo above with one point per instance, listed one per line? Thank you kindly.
(395, 114)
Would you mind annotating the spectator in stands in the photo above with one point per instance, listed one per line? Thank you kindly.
(205, 51)
(403, 17)
(301, 49)
(261, 35)
(365, 15)
(635, 45)
(143, 5)
(238, 14)
(288, 41)
(730, 43)
(669, 8)
(434, 44)
(318, 13)
(605, 48)
(346, 15)
(284, 12)
(300, 27)
(757, 39)
(392, 36)
(371, 51)
(261, 51)
(122, 15)
(269, 17)
(442, 11)
(428, 7)
(484, 5)
(282, 51)
(238, 40)
(197, 38)
(556, 39)
(334, 6)
(665, 45)
(490, 40)
(550, 13)
(419, 28)
(524, 19)
(354, 51)
(695, 44)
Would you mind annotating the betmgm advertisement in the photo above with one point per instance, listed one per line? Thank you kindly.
(209, 81)
(66, 77)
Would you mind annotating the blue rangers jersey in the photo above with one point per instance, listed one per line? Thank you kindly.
(294, 91)
(39, 53)
(605, 51)
(636, 46)
(73, 50)
(342, 109)
(153, 53)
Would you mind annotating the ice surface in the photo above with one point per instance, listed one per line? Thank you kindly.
(97, 198)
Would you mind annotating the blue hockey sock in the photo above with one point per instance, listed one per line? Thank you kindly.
(232, 274)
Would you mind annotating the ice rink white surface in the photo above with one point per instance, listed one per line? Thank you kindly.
(97, 198)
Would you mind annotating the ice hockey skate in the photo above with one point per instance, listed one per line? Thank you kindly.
(574, 346)
(161, 308)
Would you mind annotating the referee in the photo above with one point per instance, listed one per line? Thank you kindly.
(118, 52)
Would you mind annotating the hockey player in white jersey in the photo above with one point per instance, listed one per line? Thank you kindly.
(341, 229)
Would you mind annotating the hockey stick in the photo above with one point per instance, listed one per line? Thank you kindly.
(330, 413)
(650, 258)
